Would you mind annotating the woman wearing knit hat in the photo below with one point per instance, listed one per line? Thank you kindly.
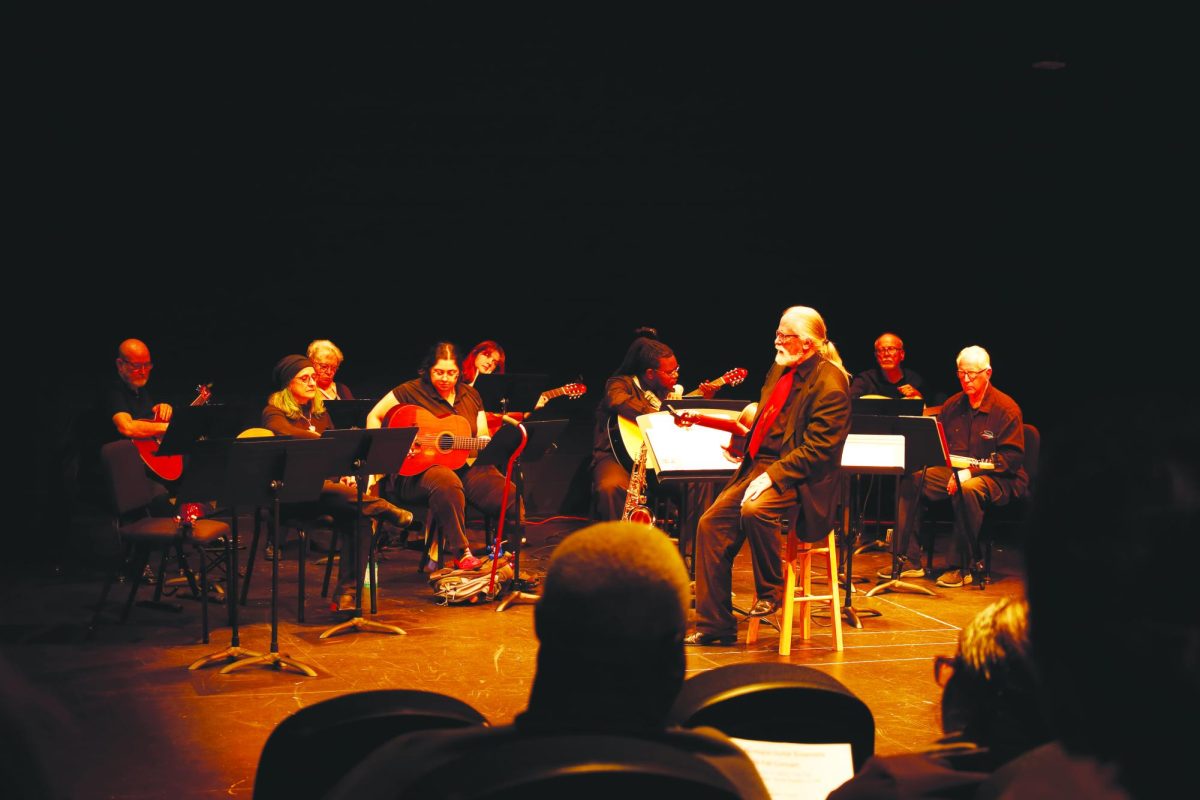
(297, 409)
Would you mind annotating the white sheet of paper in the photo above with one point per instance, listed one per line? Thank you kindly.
(793, 771)
(692, 448)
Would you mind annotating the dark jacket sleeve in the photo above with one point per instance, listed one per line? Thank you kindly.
(820, 431)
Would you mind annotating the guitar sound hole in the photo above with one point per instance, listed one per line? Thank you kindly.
(445, 442)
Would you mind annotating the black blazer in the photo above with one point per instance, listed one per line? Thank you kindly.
(813, 438)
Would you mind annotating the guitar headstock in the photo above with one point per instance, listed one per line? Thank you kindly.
(203, 394)
(734, 376)
(574, 390)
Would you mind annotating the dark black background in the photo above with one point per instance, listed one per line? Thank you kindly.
(228, 191)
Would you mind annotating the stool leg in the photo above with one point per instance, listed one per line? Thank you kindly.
(835, 604)
(806, 582)
(789, 609)
(334, 549)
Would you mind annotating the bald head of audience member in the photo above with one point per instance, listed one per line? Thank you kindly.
(610, 628)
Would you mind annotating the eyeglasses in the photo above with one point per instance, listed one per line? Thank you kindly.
(969, 374)
(943, 669)
(786, 336)
(306, 378)
(444, 373)
(672, 372)
(330, 368)
(883, 351)
(132, 367)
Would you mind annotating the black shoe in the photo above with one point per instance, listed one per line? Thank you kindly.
(764, 607)
(699, 639)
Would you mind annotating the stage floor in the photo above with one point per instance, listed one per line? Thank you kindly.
(139, 724)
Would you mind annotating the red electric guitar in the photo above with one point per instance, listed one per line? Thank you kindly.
(169, 468)
(440, 440)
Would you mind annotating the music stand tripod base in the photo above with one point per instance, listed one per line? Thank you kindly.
(514, 597)
(895, 584)
(359, 623)
(277, 660)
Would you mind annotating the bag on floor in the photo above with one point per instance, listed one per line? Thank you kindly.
(458, 586)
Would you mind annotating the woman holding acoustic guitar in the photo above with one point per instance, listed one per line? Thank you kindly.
(449, 413)
(297, 409)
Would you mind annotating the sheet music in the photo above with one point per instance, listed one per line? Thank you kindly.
(678, 449)
(794, 771)
(870, 452)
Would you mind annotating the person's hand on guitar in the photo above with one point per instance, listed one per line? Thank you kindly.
(707, 389)
(162, 412)
(908, 391)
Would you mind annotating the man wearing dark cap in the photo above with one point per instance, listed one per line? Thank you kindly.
(610, 628)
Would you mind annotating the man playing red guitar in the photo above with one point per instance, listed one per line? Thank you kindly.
(441, 392)
(134, 414)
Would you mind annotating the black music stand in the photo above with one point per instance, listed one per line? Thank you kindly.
(923, 447)
(206, 476)
(864, 454)
(510, 391)
(189, 426)
(192, 424)
(349, 413)
(362, 453)
(271, 472)
(877, 406)
(511, 444)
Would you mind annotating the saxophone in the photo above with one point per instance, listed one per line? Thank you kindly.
(635, 495)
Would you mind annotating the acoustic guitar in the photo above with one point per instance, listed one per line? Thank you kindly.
(440, 440)
(169, 468)
(625, 437)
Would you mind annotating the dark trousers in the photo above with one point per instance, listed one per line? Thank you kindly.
(447, 492)
(719, 536)
(978, 493)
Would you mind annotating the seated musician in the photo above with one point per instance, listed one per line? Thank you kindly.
(889, 379)
(639, 386)
(123, 408)
(983, 423)
(793, 460)
(297, 409)
(487, 358)
(326, 358)
(441, 391)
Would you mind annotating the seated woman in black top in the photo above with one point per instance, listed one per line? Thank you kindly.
(441, 392)
(298, 410)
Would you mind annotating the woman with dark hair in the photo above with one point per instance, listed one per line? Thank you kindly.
(297, 409)
(441, 391)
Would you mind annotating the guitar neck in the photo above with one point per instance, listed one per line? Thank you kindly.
(720, 423)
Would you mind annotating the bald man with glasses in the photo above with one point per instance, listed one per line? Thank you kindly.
(889, 378)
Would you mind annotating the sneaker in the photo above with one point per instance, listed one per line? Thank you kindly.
(954, 578)
(468, 562)
(906, 571)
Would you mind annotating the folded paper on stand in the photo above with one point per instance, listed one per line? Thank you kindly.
(799, 771)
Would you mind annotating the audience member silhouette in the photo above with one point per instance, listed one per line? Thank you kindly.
(610, 628)
(990, 714)
(1119, 496)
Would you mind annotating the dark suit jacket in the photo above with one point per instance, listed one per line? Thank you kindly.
(813, 438)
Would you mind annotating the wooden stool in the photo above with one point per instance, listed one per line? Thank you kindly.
(793, 594)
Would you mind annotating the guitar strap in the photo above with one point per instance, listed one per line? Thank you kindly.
(650, 396)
